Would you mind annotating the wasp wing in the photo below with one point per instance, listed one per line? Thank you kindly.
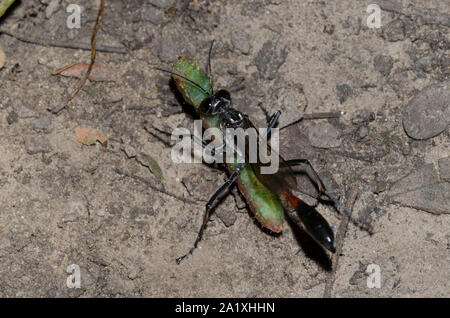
(283, 178)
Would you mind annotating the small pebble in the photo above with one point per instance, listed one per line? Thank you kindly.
(12, 117)
(324, 136)
(363, 116)
(444, 168)
(343, 92)
(362, 132)
(383, 64)
(226, 216)
(394, 31)
(270, 58)
(34, 145)
(23, 111)
(52, 7)
(153, 15)
(42, 124)
(241, 41)
(428, 113)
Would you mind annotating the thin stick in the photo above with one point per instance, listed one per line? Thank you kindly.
(152, 186)
(63, 44)
(340, 236)
(335, 114)
(209, 68)
(93, 53)
(165, 141)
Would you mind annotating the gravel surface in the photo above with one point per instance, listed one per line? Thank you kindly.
(103, 210)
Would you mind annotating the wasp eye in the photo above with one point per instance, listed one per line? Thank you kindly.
(223, 95)
(205, 106)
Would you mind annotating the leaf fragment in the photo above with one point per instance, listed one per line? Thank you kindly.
(89, 137)
(148, 161)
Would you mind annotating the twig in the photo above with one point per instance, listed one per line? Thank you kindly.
(325, 115)
(140, 108)
(340, 236)
(88, 208)
(152, 186)
(335, 114)
(63, 44)
(166, 141)
(93, 53)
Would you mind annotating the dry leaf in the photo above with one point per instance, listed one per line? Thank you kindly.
(89, 137)
(151, 163)
(99, 73)
(2, 58)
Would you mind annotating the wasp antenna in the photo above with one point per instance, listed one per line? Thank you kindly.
(184, 78)
(209, 67)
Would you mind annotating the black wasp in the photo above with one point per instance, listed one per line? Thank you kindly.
(282, 183)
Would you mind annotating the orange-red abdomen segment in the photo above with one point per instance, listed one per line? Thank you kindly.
(292, 198)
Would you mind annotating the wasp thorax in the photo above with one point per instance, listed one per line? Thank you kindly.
(231, 118)
(211, 105)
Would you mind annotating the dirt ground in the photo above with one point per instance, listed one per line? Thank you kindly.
(99, 208)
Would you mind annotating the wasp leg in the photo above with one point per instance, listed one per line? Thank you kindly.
(207, 146)
(272, 122)
(306, 167)
(211, 201)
